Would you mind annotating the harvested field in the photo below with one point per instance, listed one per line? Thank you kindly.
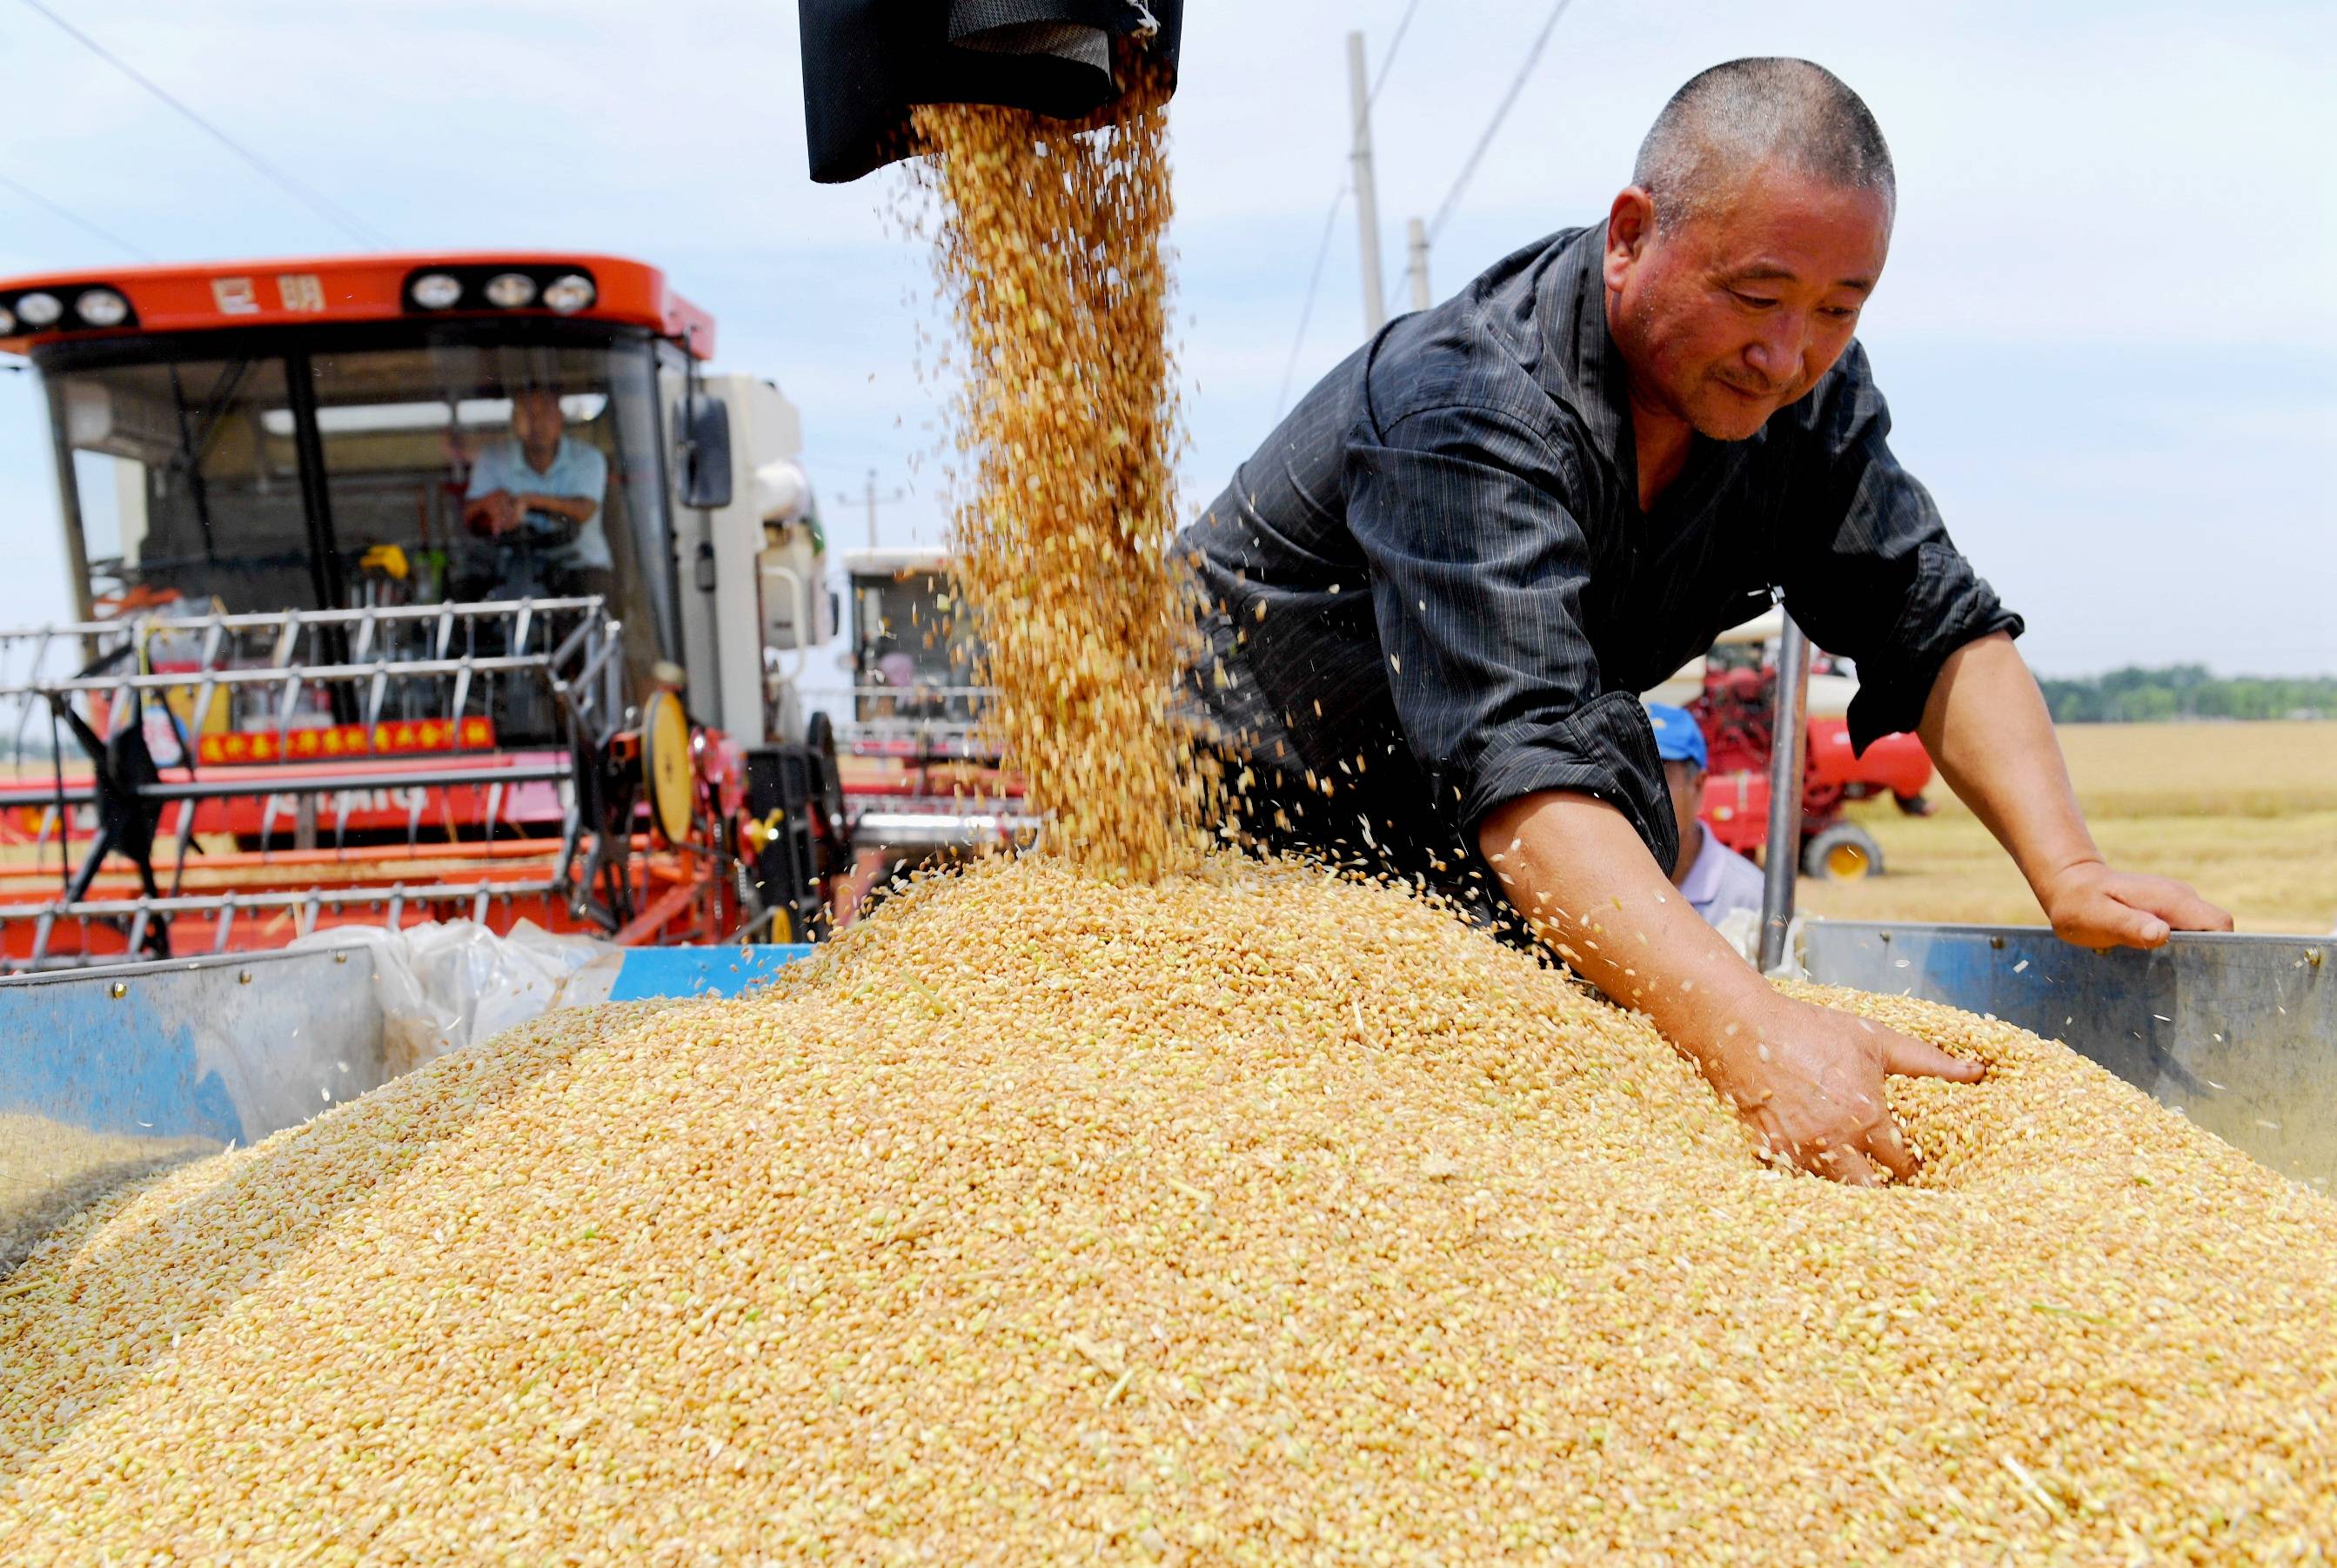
(2245, 812)
(2175, 770)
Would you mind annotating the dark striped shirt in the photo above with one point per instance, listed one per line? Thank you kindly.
(1433, 590)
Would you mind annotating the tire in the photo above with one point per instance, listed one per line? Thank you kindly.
(1845, 852)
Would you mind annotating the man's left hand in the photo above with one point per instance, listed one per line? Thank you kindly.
(2091, 905)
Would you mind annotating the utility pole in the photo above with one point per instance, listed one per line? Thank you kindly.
(1367, 195)
(1416, 235)
(873, 500)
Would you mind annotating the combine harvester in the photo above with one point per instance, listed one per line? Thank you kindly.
(312, 681)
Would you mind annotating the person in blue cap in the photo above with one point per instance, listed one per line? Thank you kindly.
(1713, 878)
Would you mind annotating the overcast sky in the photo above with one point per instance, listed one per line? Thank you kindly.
(2107, 330)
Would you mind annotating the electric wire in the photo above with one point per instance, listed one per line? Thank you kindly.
(1517, 85)
(364, 233)
(71, 217)
(1338, 200)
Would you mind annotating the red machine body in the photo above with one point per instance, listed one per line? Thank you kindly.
(1737, 713)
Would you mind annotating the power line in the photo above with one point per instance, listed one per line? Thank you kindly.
(1306, 311)
(364, 234)
(1338, 198)
(75, 219)
(1396, 41)
(1517, 85)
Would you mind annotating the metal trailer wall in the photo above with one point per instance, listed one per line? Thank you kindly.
(2238, 1033)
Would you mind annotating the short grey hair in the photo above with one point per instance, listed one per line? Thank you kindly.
(1732, 119)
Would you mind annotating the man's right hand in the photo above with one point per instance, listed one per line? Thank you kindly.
(1808, 1080)
(496, 512)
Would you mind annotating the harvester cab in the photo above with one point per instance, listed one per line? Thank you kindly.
(408, 587)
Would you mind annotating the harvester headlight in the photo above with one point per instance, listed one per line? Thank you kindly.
(568, 293)
(510, 290)
(101, 308)
(435, 290)
(39, 309)
(7, 321)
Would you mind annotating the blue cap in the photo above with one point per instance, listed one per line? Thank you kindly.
(1679, 737)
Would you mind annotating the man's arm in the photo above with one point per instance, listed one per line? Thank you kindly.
(576, 510)
(1807, 1079)
(1987, 727)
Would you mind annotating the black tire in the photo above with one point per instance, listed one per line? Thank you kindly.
(1843, 852)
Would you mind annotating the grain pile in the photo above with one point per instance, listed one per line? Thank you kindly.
(1050, 249)
(49, 1170)
(1247, 1217)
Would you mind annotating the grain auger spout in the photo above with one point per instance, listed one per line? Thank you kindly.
(868, 63)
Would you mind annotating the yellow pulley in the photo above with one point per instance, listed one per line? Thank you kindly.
(666, 774)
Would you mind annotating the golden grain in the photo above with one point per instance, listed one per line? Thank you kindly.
(1249, 1216)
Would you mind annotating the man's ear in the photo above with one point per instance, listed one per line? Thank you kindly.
(1630, 229)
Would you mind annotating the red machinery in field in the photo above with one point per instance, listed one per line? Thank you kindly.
(1735, 704)
(309, 683)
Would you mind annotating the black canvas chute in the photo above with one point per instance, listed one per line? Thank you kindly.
(866, 63)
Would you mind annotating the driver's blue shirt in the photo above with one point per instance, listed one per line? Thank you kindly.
(577, 470)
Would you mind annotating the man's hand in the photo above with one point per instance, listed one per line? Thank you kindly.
(1987, 727)
(1808, 1080)
(496, 512)
(2094, 906)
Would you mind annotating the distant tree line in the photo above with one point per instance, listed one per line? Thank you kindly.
(2135, 695)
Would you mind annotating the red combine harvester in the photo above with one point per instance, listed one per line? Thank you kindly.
(347, 652)
(1733, 694)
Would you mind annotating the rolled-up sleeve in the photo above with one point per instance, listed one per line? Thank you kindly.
(1477, 565)
(1869, 569)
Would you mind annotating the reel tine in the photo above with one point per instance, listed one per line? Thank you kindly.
(186, 834)
(461, 690)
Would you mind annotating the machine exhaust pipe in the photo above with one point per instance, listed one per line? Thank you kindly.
(866, 63)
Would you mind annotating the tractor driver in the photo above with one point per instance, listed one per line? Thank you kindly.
(1434, 592)
(537, 496)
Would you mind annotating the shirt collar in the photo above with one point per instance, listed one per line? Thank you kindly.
(1703, 884)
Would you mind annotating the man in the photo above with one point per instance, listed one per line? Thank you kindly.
(1434, 594)
(537, 494)
(1716, 880)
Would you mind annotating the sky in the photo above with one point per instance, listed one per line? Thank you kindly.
(2107, 330)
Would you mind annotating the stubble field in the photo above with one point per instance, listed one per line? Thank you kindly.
(2247, 813)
